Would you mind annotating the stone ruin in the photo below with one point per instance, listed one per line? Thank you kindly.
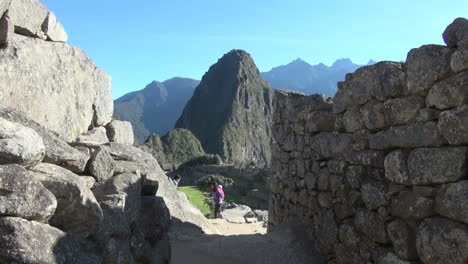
(73, 189)
(378, 174)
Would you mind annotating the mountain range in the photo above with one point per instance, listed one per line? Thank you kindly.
(309, 79)
(156, 108)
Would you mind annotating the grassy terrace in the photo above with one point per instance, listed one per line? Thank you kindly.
(197, 197)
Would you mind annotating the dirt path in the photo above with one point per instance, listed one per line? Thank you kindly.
(239, 244)
(226, 228)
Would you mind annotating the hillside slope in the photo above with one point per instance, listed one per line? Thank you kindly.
(231, 111)
(155, 108)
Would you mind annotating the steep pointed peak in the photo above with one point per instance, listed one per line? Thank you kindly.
(236, 56)
(371, 62)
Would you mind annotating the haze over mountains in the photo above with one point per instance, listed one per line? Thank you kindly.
(156, 108)
(302, 77)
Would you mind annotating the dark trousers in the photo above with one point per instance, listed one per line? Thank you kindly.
(217, 208)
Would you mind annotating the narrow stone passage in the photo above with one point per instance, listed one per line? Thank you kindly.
(287, 245)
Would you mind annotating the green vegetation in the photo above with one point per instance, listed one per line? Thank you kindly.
(206, 159)
(205, 182)
(204, 203)
(197, 198)
(176, 147)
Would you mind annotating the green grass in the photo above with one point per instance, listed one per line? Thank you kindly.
(197, 197)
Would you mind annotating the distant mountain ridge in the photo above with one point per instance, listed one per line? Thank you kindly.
(302, 77)
(155, 108)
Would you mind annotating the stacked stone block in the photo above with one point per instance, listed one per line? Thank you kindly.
(378, 174)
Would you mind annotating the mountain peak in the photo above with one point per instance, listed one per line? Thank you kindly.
(299, 62)
(230, 97)
(345, 62)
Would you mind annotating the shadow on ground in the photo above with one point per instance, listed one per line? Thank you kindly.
(288, 244)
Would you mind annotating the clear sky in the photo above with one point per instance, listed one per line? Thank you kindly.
(144, 40)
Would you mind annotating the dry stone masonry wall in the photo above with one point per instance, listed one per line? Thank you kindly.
(378, 174)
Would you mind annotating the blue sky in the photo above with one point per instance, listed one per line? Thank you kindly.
(144, 40)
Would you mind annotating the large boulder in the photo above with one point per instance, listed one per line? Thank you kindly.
(453, 125)
(459, 61)
(375, 194)
(31, 18)
(28, 16)
(403, 238)
(155, 219)
(67, 102)
(437, 165)
(120, 132)
(101, 165)
(23, 241)
(53, 29)
(331, 144)
(57, 151)
(235, 211)
(408, 205)
(77, 212)
(22, 195)
(19, 144)
(420, 134)
(115, 222)
(95, 136)
(154, 179)
(425, 66)
(372, 225)
(449, 93)
(441, 241)
(456, 34)
(452, 201)
(127, 184)
(396, 168)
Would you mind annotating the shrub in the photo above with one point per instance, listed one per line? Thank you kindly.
(205, 182)
(206, 159)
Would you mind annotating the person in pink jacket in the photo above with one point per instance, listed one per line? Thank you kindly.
(218, 196)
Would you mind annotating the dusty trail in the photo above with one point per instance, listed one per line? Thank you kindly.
(239, 244)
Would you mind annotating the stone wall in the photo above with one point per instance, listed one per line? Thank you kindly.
(378, 174)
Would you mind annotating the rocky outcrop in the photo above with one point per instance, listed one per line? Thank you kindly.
(69, 101)
(19, 144)
(96, 136)
(57, 151)
(120, 132)
(67, 194)
(377, 174)
(77, 211)
(23, 241)
(22, 195)
(230, 111)
(176, 147)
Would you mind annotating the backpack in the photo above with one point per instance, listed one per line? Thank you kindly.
(221, 192)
